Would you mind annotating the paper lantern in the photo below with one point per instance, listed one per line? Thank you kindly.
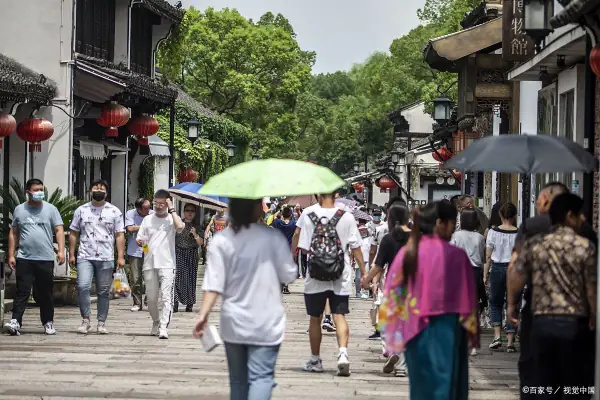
(8, 124)
(112, 117)
(142, 127)
(442, 154)
(187, 175)
(385, 182)
(35, 131)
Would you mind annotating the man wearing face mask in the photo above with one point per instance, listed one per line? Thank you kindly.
(33, 226)
(97, 225)
(157, 236)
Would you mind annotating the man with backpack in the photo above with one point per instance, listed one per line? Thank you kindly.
(327, 233)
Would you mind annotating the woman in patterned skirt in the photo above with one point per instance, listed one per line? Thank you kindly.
(186, 254)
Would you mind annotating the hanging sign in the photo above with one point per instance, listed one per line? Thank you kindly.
(516, 45)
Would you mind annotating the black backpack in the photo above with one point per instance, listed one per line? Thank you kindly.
(326, 261)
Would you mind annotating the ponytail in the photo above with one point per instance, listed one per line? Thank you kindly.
(411, 255)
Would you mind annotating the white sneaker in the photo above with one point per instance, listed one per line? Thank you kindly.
(163, 334)
(136, 308)
(49, 328)
(12, 327)
(85, 327)
(343, 365)
(101, 330)
(154, 331)
(473, 351)
(390, 363)
(313, 366)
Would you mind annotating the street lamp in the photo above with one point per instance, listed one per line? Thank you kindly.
(193, 125)
(230, 150)
(391, 166)
(255, 155)
(395, 157)
(442, 109)
(536, 16)
(356, 168)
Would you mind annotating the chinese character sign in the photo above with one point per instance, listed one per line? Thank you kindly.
(516, 45)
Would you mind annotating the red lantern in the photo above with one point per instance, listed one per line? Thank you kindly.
(187, 175)
(458, 175)
(142, 127)
(442, 154)
(8, 124)
(595, 60)
(385, 182)
(113, 116)
(35, 131)
(358, 187)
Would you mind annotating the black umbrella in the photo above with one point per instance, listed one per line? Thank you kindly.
(526, 154)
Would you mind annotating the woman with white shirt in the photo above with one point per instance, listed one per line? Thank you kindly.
(499, 248)
(247, 263)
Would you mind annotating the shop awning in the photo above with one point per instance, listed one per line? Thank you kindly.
(99, 150)
(442, 52)
(96, 85)
(158, 147)
(571, 45)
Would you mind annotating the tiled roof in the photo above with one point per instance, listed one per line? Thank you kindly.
(193, 104)
(165, 9)
(137, 84)
(19, 83)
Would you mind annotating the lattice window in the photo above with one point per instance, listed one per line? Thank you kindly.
(95, 30)
(141, 40)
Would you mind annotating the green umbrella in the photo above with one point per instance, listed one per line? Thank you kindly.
(272, 178)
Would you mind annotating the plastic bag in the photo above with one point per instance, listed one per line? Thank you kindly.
(120, 286)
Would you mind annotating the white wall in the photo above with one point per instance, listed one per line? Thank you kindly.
(118, 185)
(418, 119)
(161, 173)
(121, 49)
(528, 114)
(42, 42)
(380, 198)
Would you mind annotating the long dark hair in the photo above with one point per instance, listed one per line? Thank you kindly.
(424, 221)
(397, 215)
(494, 216)
(242, 213)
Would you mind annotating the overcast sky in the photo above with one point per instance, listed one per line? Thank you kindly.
(342, 32)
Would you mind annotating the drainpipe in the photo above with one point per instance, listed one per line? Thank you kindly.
(130, 12)
(172, 145)
(589, 132)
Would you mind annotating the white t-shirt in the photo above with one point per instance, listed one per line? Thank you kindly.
(159, 233)
(349, 236)
(247, 268)
(502, 243)
(380, 232)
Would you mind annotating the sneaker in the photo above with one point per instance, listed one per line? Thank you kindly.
(390, 363)
(400, 373)
(510, 348)
(136, 308)
(313, 366)
(85, 327)
(328, 325)
(375, 336)
(49, 328)
(102, 329)
(343, 365)
(285, 290)
(364, 295)
(496, 344)
(12, 327)
(163, 334)
(154, 331)
(473, 351)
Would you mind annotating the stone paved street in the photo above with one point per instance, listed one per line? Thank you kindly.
(130, 364)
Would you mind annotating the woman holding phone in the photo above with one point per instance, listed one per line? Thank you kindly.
(186, 253)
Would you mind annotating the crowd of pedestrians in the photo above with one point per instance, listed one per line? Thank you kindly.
(535, 283)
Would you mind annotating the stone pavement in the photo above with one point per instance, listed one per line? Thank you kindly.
(130, 364)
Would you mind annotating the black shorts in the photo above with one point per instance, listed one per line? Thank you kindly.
(315, 303)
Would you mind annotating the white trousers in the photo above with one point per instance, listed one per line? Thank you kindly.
(159, 283)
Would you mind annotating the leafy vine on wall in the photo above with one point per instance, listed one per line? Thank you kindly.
(146, 178)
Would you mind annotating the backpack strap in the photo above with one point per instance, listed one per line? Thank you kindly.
(313, 218)
(336, 218)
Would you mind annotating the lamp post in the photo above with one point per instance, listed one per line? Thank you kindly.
(356, 168)
(255, 155)
(536, 16)
(193, 127)
(442, 109)
(230, 150)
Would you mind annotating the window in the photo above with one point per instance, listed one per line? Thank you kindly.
(567, 122)
(95, 31)
(141, 40)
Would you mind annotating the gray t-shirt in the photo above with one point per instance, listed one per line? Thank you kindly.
(36, 225)
(473, 243)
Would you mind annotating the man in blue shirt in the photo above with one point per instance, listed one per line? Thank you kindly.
(33, 227)
(135, 254)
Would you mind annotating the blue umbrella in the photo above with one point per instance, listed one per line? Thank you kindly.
(188, 192)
